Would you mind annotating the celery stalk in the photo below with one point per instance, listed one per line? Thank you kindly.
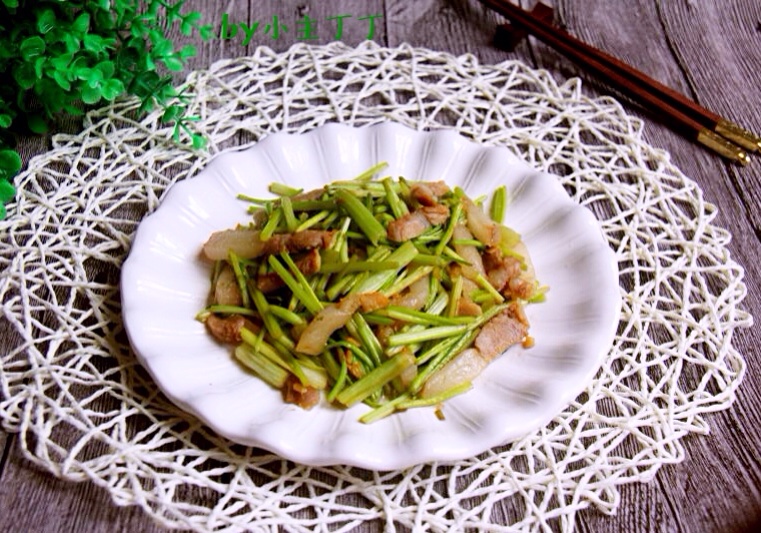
(370, 383)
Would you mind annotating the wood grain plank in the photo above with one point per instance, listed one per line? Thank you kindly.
(6, 441)
(716, 45)
(456, 26)
(693, 47)
(718, 481)
(43, 503)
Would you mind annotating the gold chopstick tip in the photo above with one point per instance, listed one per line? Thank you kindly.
(738, 135)
(722, 146)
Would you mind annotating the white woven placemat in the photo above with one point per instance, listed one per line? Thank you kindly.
(84, 410)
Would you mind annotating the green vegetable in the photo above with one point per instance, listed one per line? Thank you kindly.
(498, 203)
(60, 57)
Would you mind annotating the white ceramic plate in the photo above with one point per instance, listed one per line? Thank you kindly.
(164, 284)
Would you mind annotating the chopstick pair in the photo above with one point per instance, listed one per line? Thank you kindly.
(688, 118)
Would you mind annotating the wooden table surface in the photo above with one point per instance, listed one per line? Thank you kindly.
(710, 51)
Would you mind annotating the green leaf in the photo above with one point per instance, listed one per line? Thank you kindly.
(106, 68)
(112, 89)
(162, 48)
(147, 105)
(82, 23)
(137, 29)
(171, 113)
(206, 31)
(62, 61)
(199, 141)
(61, 80)
(145, 84)
(45, 21)
(10, 163)
(187, 51)
(73, 110)
(189, 22)
(152, 11)
(172, 63)
(10, 3)
(108, 43)
(50, 94)
(91, 95)
(126, 58)
(38, 66)
(81, 73)
(173, 11)
(95, 78)
(71, 42)
(93, 43)
(32, 47)
(37, 123)
(25, 76)
(7, 191)
(5, 121)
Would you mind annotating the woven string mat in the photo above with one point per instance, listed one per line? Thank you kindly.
(84, 409)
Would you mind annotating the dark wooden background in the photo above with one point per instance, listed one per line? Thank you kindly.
(710, 51)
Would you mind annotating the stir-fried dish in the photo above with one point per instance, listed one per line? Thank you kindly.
(391, 292)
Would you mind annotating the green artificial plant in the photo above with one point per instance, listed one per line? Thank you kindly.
(60, 57)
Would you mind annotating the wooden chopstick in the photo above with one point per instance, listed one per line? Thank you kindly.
(681, 114)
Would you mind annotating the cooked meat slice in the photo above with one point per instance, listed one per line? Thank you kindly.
(423, 194)
(295, 242)
(414, 296)
(407, 227)
(302, 395)
(309, 263)
(480, 225)
(439, 188)
(227, 329)
(520, 288)
(498, 334)
(515, 310)
(428, 192)
(268, 282)
(315, 336)
(370, 301)
(436, 214)
(468, 287)
(464, 367)
(244, 242)
(500, 269)
(226, 289)
(247, 243)
(467, 307)
(259, 218)
(314, 194)
(352, 365)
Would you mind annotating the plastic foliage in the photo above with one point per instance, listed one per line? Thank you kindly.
(59, 57)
